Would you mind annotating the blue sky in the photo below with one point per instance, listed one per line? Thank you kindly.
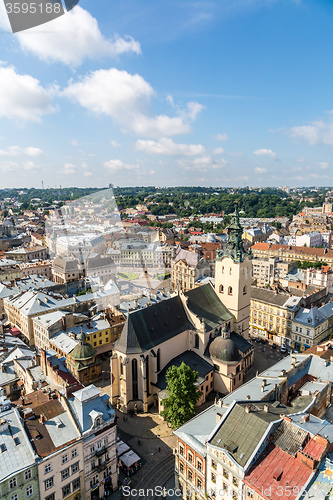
(152, 92)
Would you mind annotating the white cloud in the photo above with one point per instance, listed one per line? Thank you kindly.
(73, 37)
(17, 150)
(265, 152)
(30, 166)
(166, 146)
(22, 97)
(318, 132)
(118, 165)
(69, 169)
(259, 170)
(115, 144)
(323, 165)
(221, 137)
(33, 152)
(202, 164)
(126, 98)
(218, 151)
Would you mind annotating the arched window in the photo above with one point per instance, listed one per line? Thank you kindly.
(147, 374)
(158, 361)
(230, 270)
(121, 366)
(221, 289)
(196, 341)
(230, 290)
(222, 269)
(135, 393)
(244, 290)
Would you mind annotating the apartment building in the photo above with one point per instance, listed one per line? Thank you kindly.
(319, 277)
(267, 271)
(293, 253)
(40, 267)
(271, 314)
(18, 471)
(271, 432)
(27, 254)
(311, 326)
(56, 441)
(187, 268)
(10, 270)
(96, 422)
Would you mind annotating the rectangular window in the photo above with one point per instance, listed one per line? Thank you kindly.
(64, 474)
(190, 475)
(199, 465)
(76, 484)
(190, 457)
(74, 453)
(92, 449)
(99, 445)
(50, 497)
(64, 459)
(12, 483)
(75, 467)
(27, 475)
(225, 473)
(66, 490)
(213, 478)
(29, 491)
(214, 464)
(181, 467)
(49, 483)
(106, 441)
(48, 468)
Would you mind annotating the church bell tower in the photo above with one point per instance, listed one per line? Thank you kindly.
(233, 274)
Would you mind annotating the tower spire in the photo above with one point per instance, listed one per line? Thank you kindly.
(234, 249)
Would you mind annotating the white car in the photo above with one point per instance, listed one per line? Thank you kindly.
(283, 349)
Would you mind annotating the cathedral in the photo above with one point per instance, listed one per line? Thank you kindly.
(206, 328)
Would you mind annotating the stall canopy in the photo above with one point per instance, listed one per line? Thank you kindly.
(122, 448)
(130, 458)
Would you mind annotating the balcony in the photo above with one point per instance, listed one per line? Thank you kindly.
(101, 451)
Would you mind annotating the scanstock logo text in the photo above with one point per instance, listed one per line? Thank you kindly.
(25, 14)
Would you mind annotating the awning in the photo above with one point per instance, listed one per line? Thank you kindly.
(122, 448)
(130, 458)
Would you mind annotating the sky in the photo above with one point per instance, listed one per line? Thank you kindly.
(169, 92)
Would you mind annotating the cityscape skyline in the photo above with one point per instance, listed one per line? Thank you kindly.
(198, 93)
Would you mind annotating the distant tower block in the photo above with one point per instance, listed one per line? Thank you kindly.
(233, 270)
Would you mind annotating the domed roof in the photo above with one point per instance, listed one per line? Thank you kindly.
(83, 351)
(224, 350)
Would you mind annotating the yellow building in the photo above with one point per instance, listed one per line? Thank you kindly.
(272, 313)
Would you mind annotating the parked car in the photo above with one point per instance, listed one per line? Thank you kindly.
(283, 349)
(274, 345)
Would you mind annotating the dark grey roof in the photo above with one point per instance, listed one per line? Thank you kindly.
(149, 327)
(224, 350)
(191, 359)
(204, 303)
(241, 432)
(269, 296)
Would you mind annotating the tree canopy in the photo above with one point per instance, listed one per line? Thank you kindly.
(183, 394)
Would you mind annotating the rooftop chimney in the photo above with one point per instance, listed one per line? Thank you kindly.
(266, 408)
(247, 408)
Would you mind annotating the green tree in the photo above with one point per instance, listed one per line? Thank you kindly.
(179, 406)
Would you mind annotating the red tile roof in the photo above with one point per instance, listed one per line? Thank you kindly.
(314, 449)
(278, 475)
(320, 252)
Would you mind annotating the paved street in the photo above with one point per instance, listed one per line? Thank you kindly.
(264, 357)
